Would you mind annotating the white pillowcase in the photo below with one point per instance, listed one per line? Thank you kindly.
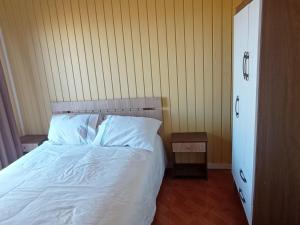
(92, 127)
(135, 132)
(74, 129)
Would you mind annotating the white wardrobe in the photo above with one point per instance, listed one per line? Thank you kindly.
(245, 89)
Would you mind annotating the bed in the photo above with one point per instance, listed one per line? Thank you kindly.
(71, 184)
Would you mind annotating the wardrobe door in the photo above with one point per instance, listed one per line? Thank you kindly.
(251, 90)
(248, 105)
(240, 44)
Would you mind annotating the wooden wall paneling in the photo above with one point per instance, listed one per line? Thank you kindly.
(190, 63)
(153, 43)
(38, 84)
(6, 32)
(179, 50)
(11, 93)
(172, 59)
(217, 79)
(145, 46)
(104, 50)
(235, 4)
(164, 69)
(3, 58)
(89, 49)
(72, 43)
(181, 63)
(4, 21)
(81, 51)
(226, 80)
(199, 64)
(96, 49)
(34, 101)
(27, 106)
(58, 7)
(119, 37)
(208, 72)
(240, 5)
(56, 37)
(56, 73)
(112, 48)
(128, 48)
(38, 60)
(137, 50)
(44, 49)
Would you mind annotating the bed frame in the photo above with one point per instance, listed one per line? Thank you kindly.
(146, 107)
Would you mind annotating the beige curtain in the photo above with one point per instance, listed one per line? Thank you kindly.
(10, 146)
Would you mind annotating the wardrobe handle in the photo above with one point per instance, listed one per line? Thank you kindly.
(245, 65)
(243, 176)
(237, 113)
(242, 195)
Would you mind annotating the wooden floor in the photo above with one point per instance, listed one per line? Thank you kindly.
(199, 202)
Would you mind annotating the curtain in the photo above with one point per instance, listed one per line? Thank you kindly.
(10, 145)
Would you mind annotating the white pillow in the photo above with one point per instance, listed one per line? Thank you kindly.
(135, 132)
(73, 129)
(92, 127)
(100, 132)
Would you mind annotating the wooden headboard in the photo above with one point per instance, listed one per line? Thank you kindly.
(146, 107)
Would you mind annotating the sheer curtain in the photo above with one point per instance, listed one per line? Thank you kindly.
(10, 146)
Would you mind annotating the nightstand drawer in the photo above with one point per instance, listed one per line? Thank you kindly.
(189, 147)
(29, 147)
(189, 144)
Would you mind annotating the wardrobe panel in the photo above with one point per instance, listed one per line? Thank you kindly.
(277, 181)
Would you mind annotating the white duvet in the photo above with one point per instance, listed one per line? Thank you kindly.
(82, 185)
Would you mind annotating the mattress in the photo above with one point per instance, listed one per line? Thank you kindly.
(84, 185)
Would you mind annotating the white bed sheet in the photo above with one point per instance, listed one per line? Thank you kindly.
(82, 185)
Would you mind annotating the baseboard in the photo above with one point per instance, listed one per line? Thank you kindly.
(219, 166)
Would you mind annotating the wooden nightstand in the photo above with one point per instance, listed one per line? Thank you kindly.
(30, 142)
(190, 143)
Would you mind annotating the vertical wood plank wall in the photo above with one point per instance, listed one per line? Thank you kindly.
(69, 50)
(236, 3)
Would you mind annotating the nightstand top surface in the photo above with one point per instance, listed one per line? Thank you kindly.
(33, 139)
(189, 137)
